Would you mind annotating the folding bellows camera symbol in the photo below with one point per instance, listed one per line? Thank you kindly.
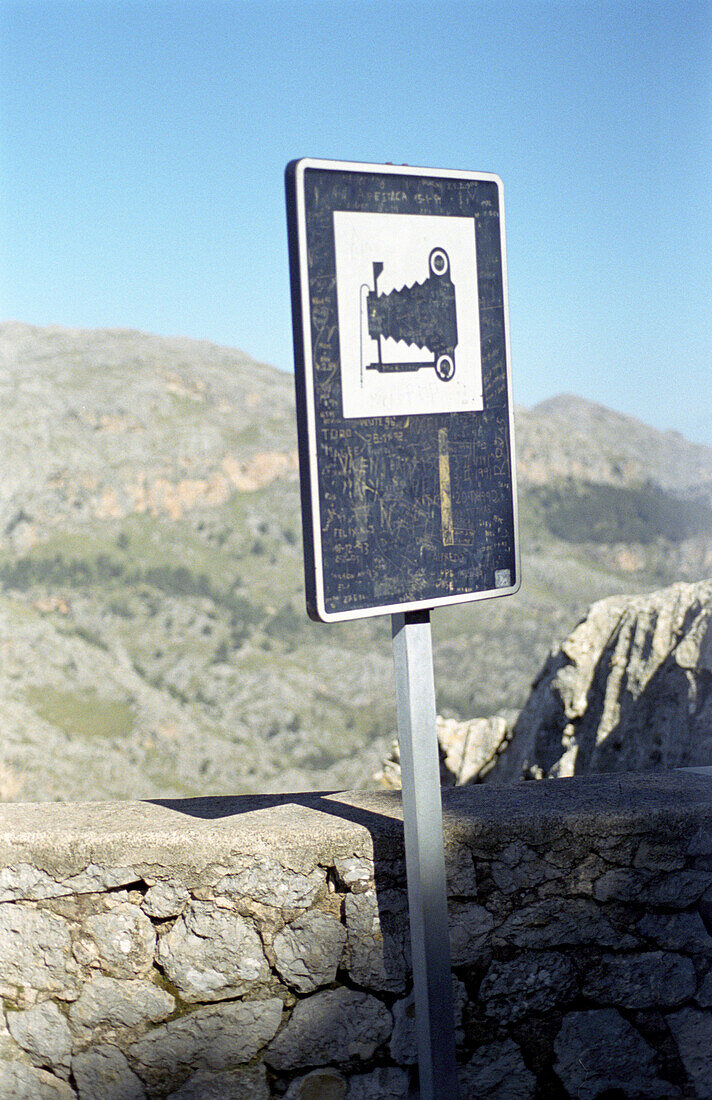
(422, 314)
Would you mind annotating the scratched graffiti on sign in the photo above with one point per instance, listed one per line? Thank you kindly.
(407, 467)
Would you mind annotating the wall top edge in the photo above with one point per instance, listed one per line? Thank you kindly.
(249, 821)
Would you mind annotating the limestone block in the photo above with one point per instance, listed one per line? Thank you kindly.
(598, 1051)
(645, 980)
(21, 1082)
(32, 884)
(677, 890)
(165, 899)
(43, 1032)
(677, 932)
(337, 1025)
(112, 1004)
(385, 1083)
(659, 855)
(622, 884)
(211, 1039)
(320, 1084)
(213, 954)
(521, 868)
(10, 1051)
(701, 842)
(692, 1030)
(378, 939)
(497, 1071)
(266, 881)
(460, 873)
(35, 954)
(470, 929)
(704, 993)
(121, 941)
(308, 951)
(354, 873)
(104, 1072)
(559, 922)
(249, 1083)
(534, 981)
(404, 1045)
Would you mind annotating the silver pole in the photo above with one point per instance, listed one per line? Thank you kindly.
(424, 855)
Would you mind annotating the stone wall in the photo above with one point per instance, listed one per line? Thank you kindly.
(257, 947)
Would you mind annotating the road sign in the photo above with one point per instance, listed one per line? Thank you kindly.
(404, 409)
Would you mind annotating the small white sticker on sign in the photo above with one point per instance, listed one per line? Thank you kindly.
(408, 308)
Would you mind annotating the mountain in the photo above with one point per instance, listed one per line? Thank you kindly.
(152, 620)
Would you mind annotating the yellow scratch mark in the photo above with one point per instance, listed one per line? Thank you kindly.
(445, 496)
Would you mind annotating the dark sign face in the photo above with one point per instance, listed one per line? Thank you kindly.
(404, 407)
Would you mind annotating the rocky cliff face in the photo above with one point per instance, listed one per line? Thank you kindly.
(629, 690)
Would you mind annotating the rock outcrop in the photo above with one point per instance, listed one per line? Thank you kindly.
(630, 689)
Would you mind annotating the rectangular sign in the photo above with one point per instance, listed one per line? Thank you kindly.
(404, 409)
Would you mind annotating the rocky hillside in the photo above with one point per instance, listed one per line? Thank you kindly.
(151, 610)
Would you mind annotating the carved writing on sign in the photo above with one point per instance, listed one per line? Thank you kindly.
(403, 394)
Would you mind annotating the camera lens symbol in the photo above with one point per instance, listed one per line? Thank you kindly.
(439, 262)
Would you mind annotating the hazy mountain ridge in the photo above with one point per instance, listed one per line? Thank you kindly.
(152, 621)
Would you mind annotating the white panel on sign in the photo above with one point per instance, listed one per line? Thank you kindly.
(400, 276)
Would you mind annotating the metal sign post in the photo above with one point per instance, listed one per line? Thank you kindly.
(406, 461)
(424, 855)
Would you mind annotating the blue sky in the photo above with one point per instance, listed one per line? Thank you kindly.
(142, 148)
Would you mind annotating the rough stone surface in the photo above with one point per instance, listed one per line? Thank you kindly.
(213, 954)
(308, 951)
(533, 982)
(692, 1031)
(249, 1083)
(557, 922)
(626, 691)
(35, 953)
(320, 1084)
(378, 939)
(21, 1082)
(268, 882)
(598, 1051)
(586, 894)
(165, 899)
(468, 750)
(644, 980)
(521, 868)
(104, 1072)
(110, 1003)
(216, 1038)
(497, 1071)
(354, 873)
(121, 941)
(460, 873)
(43, 1032)
(336, 1025)
(470, 928)
(704, 993)
(382, 1084)
(677, 932)
(25, 881)
(10, 1051)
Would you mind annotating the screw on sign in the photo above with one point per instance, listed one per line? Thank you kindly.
(406, 455)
